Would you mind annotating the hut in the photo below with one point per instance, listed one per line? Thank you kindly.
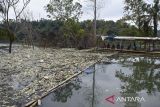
(132, 43)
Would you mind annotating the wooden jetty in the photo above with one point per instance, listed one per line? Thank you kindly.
(132, 44)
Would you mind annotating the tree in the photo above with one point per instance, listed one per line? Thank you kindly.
(155, 12)
(63, 9)
(143, 14)
(136, 11)
(4, 34)
(67, 12)
(95, 16)
(96, 5)
(5, 8)
(27, 29)
(73, 31)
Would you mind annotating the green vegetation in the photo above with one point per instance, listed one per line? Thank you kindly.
(6, 34)
(143, 14)
(65, 30)
(76, 34)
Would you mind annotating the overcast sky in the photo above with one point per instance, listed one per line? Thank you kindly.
(111, 9)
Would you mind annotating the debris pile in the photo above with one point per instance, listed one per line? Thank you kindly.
(26, 73)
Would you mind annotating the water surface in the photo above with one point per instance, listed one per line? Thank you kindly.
(122, 76)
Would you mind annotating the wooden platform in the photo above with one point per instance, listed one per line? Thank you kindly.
(131, 38)
(129, 51)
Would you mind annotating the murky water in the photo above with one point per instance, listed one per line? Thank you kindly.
(124, 77)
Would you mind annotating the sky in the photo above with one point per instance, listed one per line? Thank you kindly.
(110, 10)
(107, 9)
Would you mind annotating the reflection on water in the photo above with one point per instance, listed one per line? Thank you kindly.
(93, 87)
(125, 76)
(64, 93)
(145, 77)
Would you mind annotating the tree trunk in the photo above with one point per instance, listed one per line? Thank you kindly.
(155, 25)
(10, 45)
(155, 16)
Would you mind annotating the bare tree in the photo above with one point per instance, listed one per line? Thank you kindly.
(6, 6)
(96, 5)
(27, 28)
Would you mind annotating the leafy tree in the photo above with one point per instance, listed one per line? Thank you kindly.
(64, 9)
(126, 29)
(135, 10)
(87, 25)
(72, 31)
(101, 27)
(142, 14)
(4, 34)
(67, 12)
(155, 12)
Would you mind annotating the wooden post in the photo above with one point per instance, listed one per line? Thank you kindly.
(140, 45)
(149, 45)
(145, 47)
(153, 42)
(95, 23)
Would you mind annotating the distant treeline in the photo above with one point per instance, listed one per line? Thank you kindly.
(70, 33)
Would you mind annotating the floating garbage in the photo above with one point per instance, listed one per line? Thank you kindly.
(90, 70)
(37, 71)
